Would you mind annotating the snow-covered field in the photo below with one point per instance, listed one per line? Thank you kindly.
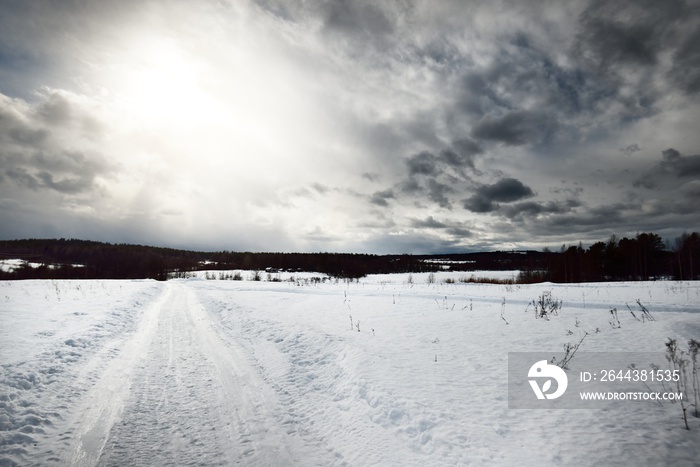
(221, 372)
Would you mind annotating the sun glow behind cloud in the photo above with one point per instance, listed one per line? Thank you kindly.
(214, 136)
(161, 86)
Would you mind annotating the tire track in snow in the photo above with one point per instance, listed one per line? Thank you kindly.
(192, 399)
(104, 403)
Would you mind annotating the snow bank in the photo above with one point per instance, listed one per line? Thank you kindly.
(55, 337)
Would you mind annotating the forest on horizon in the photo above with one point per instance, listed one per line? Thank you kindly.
(644, 257)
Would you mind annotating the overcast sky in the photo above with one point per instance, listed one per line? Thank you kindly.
(356, 126)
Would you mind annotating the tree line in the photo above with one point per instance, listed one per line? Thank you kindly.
(643, 257)
(83, 259)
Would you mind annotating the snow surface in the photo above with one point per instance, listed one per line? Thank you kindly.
(221, 372)
(10, 265)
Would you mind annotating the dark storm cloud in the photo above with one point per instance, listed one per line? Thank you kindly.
(455, 230)
(480, 93)
(440, 51)
(76, 175)
(459, 232)
(437, 177)
(428, 222)
(411, 187)
(479, 204)
(423, 163)
(432, 189)
(467, 148)
(614, 69)
(685, 72)
(437, 192)
(365, 20)
(22, 177)
(608, 42)
(462, 154)
(603, 216)
(534, 209)
(631, 149)
(452, 158)
(380, 198)
(686, 205)
(683, 166)
(64, 172)
(31, 153)
(75, 185)
(673, 164)
(628, 32)
(505, 190)
(492, 98)
(671, 155)
(647, 181)
(691, 191)
(516, 128)
(487, 197)
(624, 47)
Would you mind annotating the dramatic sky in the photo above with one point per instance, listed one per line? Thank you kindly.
(400, 126)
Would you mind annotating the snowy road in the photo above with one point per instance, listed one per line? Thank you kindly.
(180, 395)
